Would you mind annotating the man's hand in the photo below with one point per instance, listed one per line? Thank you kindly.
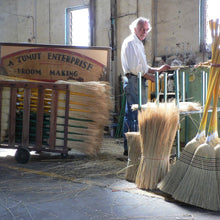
(150, 77)
(164, 68)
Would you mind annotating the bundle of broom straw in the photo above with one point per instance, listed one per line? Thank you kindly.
(183, 106)
(134, 155)
(157, 125)
(89, 110)
(193, 177)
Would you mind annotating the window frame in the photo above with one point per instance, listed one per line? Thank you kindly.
(202, 25)
(68, 25)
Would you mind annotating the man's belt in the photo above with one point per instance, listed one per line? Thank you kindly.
(130, 74)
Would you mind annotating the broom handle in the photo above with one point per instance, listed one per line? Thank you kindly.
(213, 76)
(213, 121)
(213, 127)
(208, 101)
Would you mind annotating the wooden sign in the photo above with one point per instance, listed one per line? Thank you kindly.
(51, 63)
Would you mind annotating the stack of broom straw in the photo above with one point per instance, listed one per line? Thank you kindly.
(183, 106)
(157, 125)
(89, 111)
(194, 177)
(134, 155)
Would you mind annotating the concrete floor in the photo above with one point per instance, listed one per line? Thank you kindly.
(80, 187)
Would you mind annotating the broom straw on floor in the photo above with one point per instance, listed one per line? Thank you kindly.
(174, 177)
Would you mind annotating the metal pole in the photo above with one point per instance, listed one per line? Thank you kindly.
(165, 87)
(139, 91)
(186, 117)
(177, 103)
(203, 88)
(206, 84)
(157, 86)
(183, 87)
(177, 87)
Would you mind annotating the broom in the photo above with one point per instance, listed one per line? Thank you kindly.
(199, 185)
(134, 154)
(174, 177)
(158, 126)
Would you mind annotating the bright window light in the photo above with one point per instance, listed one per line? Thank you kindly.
(212, 12)
(80, 27)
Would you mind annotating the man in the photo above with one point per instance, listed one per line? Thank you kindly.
(133, 59)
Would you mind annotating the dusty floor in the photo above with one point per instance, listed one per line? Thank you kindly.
(82, 187)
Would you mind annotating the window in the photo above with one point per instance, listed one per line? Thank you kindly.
(212, 12)
(78, 26)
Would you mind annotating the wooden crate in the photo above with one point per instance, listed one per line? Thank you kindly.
(24, 146)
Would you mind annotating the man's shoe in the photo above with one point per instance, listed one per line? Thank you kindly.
(125, 153)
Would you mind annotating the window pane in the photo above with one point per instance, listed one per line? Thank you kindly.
(80, 27)
(212, 13)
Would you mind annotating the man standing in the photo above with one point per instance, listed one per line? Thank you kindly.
(133, 59)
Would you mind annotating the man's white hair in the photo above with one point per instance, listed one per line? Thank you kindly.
(136, 22)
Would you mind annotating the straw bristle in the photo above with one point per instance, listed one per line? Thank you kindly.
(89, 110)
(196, 188)
(158, 126)
(177, 172)
(134, 155)
(189, 106)
(183, 106)
(217, 157)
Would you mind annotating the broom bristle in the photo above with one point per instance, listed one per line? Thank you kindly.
(158, 126)
(89, 109)
(201, 177)
(177, 172)
(217, 157)
(134, 155)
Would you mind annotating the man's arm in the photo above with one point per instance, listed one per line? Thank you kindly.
(160, 69)
(150, 74)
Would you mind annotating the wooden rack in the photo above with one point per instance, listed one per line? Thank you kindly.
(22, 154)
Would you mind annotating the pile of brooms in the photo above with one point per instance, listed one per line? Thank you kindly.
(195, 179)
